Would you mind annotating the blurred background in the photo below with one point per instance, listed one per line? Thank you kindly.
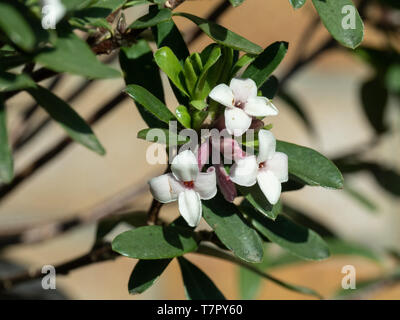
(329, 91)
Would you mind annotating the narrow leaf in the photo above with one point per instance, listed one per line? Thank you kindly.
(232, 230)
(198, 286)
(222, 35)
(266, 62)
(6, 159)
(163, 136)
(151, 19)
(10, 81)
(67, 117)
(155, 242)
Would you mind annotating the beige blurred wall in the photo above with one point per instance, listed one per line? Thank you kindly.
(78, 178)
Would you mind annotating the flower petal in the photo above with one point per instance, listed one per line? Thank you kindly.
(244, 171)
(184, 166)
(231, 149)
(269, 185)
(260, 107)
(243, 89)
(225, 184)
(203, 153)
(165, 188)
(222, 94)
(267, 145)
(190, 207)
(206, 184)
(236, 121)
(278, 164)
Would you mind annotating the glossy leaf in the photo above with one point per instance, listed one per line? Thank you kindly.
(145, 274)
(155, 242)
(222, 35)
(310, 166)
(169, 63)
(6, 159)
(183, 116)
(298, 240)
(139, 68)
(150, 102)
(336, 15)
(10, 81)
(270, 87)
(232, 229)
(297, 4)
(266, 62)
(256, 198)
(72, 54)
(67, 117)
(198, 286)
(14, 25)
(242, 62)
(151, 19)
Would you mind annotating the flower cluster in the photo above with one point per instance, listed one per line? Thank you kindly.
(189, 185)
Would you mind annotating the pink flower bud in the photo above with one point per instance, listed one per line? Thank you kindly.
(225, 184)
(231, 149)
(203, 154)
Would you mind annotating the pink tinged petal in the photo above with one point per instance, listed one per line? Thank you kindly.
(266, 145)
(190, 207)
(269, 185)
(236, 121)
(225, 184)
(278, 164)
(231, 149)
(203, 153)
(260, 107)
(244, 171)
(243, 89)
(165, 188)
(223, 95)
(184, 166)
(206, 184)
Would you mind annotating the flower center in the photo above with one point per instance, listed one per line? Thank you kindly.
(262, 165)
(189, 184)
(239, 104)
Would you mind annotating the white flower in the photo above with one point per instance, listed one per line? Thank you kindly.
(269, 169)
(53, 10)
(242, 103)
(187, 185)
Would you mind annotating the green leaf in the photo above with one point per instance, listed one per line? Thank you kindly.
(198, 286)
(145, 274)
(222, 35)
(190, 75)
(374, 98)
(162, 136)
(310, 166)
(270, 87)
(169, 63)
(342, 247)
(72, 54)
(242, 62)
(151, 19)
(150, 102)
(232, 229)
(256, 198)
(360, 198)
(198, 117)
(166, 34)
(203, 87)
(236, 3)
(297, 4)
(11, 59)
(198, 104)
(249, 284)
(333, 15)
(67, 117)
(6, 159)
(183, 116)
(155, 242)
(10, 81)
(16, 27)
(139, 68)
(298, 240)
(266, 62)
(392, 78)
